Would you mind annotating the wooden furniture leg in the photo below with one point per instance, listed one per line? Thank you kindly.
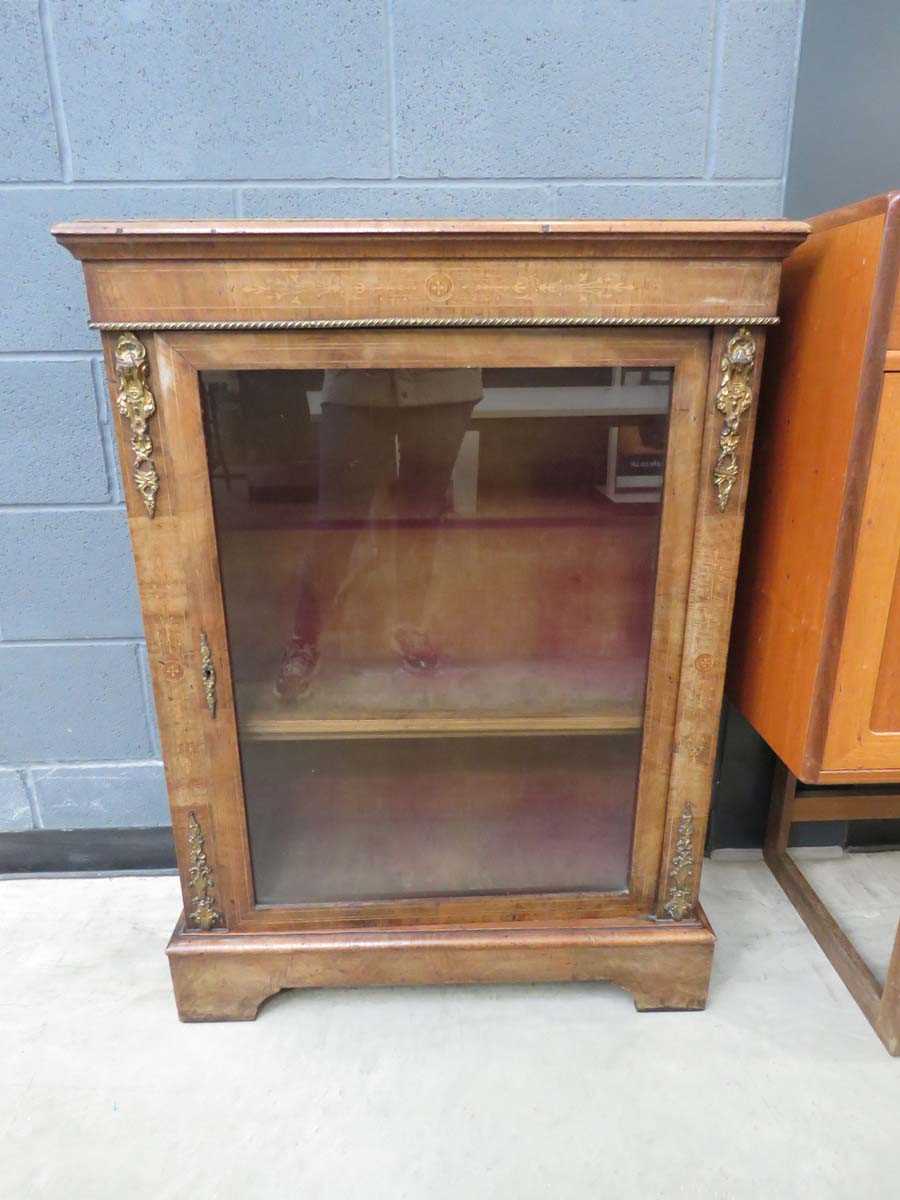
(881, 1006)
(888, 1027)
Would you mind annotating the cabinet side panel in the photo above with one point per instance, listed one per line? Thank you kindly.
(809, 399)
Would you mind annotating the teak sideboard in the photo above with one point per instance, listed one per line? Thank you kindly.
(436, 527)
(815, 663)
(815, 658)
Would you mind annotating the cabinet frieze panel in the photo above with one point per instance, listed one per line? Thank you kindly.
(439, 289)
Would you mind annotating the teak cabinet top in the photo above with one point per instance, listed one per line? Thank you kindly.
(815, 664)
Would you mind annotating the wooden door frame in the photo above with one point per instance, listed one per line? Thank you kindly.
(181, 592)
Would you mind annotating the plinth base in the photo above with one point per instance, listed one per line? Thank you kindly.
(220, 976)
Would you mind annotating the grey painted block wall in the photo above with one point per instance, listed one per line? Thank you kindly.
(542, 108)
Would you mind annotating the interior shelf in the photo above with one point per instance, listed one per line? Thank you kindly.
(261, 727)
(484, 700)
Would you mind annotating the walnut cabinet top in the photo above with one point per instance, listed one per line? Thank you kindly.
(165, 274)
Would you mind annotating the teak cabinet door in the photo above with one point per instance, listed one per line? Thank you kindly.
(864, 721)
(558, 762)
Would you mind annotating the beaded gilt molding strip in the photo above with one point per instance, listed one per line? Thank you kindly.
(422, 323)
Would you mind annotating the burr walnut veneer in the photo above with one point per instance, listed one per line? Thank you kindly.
(438, 696)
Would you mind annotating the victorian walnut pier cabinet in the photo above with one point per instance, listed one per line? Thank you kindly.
(436, 528)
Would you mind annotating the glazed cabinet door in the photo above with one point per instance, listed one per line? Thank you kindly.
(419, 617)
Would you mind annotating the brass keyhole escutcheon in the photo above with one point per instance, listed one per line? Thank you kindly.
(208, 674)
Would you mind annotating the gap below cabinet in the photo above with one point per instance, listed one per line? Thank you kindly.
(436, 527)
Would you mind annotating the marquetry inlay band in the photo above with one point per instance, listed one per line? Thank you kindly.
(423, 323)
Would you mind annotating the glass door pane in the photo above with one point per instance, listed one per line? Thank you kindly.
(438, 586)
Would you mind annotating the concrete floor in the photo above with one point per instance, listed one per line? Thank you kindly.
(779, 1089)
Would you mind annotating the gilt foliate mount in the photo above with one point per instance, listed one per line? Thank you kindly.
(680, 884)
(135, 402)
(733, 399)
(203, 913)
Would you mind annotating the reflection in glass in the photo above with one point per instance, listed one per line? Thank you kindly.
(451, 573)
(383, 434)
